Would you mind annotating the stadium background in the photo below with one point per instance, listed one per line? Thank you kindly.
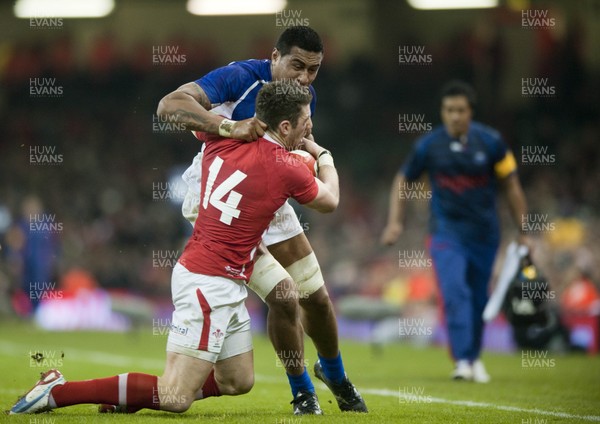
(95, 172)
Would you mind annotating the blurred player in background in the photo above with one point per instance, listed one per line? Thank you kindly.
(466, 162)
(230, 92)
(209, 350)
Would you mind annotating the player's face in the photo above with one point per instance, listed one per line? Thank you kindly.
(298, 65)
(456, 115)
(303, 129)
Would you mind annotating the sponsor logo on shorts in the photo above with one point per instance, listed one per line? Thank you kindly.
(178, 329)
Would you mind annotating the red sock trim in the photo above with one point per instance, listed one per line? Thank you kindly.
(210, 387)
(142, 391)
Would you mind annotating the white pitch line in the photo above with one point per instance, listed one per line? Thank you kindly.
(14, 349)
(473, 404)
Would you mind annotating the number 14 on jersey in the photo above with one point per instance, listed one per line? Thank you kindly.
(228, 207)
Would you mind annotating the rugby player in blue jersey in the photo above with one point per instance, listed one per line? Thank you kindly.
(467, 163)
(223, 102)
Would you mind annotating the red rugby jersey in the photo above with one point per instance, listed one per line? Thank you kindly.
(243, 185)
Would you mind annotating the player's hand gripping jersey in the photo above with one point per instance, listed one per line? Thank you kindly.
(242, 186)
(232, 91)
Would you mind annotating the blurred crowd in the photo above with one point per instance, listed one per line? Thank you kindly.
(104, 202)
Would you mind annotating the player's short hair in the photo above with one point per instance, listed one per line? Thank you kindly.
(301, 36)
(459, 88)
(279, 101)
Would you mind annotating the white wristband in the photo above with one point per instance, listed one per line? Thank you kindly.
(325, 159)
(225, 127)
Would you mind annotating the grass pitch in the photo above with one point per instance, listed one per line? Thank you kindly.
(402, 384)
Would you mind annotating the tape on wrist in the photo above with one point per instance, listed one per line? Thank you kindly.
(325, 159)
(225, 127)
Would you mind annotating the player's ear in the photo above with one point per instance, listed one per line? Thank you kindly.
(285, 128)
(275, 55)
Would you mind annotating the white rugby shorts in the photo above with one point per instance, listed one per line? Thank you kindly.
(210, 320)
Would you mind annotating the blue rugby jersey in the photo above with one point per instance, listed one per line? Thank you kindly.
(463, 179)
(232, 89)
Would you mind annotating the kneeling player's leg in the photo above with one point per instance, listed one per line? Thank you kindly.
(174, 391)
(235, 376)
(234, 369)
(130, 389)
(183, 377)
(210, 323)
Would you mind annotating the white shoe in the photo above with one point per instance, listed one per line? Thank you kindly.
(480, 375)
(462, 371)
(36, 399)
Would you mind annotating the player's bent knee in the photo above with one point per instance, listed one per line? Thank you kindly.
(176, 402)
(284, 298)
(318, 300)
(243, 385)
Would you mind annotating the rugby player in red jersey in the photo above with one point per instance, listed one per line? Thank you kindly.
(209, 350)
(223, 102)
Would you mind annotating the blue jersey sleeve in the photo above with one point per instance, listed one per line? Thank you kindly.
(225, 84)
(415, 164)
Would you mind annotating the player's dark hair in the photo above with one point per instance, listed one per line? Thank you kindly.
(459, 88)
(279, 101)
(301, 36)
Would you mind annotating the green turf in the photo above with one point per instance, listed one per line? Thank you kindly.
(562, 384)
